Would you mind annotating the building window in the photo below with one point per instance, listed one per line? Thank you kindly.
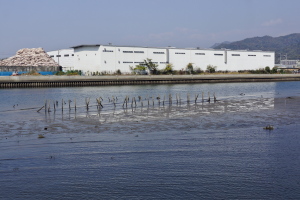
(267, 55)
(139, 62)
(119, 62)
(235, 54)
(179, 53)
(72, 54)
(58, 55)
(164, 62)
(127, 51)
(51, 56)
(218, 54)
(66, 55)
(251, 55)
(138, 51)
(107, 50)
(159, 52)
(105, 61)
(200, 54)
(127, 62)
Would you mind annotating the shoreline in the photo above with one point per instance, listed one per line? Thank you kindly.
(80, 81)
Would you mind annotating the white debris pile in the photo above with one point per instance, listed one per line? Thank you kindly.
(35, 57)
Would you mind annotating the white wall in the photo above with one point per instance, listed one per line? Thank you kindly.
(87, 59)
(64, 57)
(100, 58)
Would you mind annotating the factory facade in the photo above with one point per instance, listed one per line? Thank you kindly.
(64, 57)
(110, 58)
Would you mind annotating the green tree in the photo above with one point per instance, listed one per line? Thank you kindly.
(140, 67)
(267, 70)
(274, 70)
(211, 69)
(190, 68)
(151, 66)
(168, 69)
(118, 72)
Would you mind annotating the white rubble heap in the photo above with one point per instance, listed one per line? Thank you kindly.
(35, 57)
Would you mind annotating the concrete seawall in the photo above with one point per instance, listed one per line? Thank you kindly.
(77, 81)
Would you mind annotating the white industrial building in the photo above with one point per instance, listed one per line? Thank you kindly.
(110, 58)
(64, 57)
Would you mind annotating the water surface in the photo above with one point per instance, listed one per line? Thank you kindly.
(184, 150)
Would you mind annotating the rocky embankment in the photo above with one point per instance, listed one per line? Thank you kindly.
(35, 57)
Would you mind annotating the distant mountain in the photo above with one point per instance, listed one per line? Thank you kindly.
(217, 44)
(289, 44)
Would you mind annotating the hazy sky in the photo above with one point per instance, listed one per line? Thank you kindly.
(57, 24)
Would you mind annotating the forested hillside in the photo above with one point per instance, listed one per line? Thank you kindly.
(289, 44)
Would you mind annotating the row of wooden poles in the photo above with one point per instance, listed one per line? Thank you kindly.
(133, 103)
(88, 83)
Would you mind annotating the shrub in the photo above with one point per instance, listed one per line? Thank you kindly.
(198, 70)
(211, 69)
(274, 70)
(118, 72)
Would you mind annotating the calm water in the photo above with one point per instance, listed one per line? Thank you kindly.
(179, 151)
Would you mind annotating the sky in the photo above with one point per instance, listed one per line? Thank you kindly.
(60, 24)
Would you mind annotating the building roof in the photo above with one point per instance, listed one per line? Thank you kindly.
(86, 45)
(207, 49)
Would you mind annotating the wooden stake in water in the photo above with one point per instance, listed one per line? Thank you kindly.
(40, 109)
(179, 99)
(75, 104)
(45, 105)
(87, 102)
(48, 105)
(196, 97)
(98, 103)
(158, 98)
(208, 97)
(124, 102)
(62, 105)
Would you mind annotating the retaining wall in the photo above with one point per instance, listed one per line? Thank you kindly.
(77, 81)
